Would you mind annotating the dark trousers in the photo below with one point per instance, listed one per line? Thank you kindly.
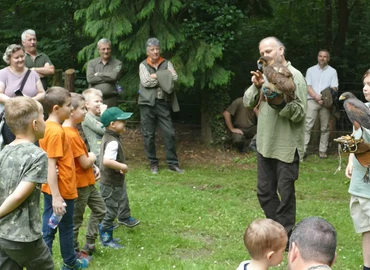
(151, 116)
(111, 100)
(65, 228)
(277, 178)
(116, 202)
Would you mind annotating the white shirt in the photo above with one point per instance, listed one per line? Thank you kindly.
(111, 150)
(319, 79)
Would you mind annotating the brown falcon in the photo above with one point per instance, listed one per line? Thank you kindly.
(278, 79)
(358, 113)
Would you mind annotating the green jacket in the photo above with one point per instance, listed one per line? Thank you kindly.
(40, 61)
(280, 132)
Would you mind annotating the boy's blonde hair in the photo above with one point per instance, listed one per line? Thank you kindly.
(20, 112)
(264, 235)
(89, 93)
(55, 96)
(76, 100)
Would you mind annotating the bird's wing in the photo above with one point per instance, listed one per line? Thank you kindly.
(357, 112)
(282, 78)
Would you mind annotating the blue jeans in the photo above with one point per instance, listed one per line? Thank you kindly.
(65, 230)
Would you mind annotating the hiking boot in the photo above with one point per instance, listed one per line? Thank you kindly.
(154, 168)
(323, 155)
(175, 168)
(129, 222)
(106, 238)
(88, 249)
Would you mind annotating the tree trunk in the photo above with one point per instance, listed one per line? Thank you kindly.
(206, 131)
(343, 13)
(328, 22)
(57, 78)
(69, 80)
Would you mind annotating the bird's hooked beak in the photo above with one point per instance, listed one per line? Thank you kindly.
(342, 97)
(260, 65)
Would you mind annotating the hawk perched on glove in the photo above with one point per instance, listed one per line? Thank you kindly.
(278, 79)
(358, 113)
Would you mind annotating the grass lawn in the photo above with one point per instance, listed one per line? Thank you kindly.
(197, 220)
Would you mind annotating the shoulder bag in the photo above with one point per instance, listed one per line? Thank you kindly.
(6, 133)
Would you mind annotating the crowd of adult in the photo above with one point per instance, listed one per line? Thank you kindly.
(279, 134)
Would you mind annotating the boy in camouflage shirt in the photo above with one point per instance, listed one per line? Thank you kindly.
(23, 168)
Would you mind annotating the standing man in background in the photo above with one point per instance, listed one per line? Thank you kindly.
(38, 62)
(104, 72)
(319, 77)
(157, 77)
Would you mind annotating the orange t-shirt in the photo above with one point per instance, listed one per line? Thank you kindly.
(56, 145)
(84, 177)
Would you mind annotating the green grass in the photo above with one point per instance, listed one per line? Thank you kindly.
(197, 220)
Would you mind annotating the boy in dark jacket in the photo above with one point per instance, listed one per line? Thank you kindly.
(112, 182)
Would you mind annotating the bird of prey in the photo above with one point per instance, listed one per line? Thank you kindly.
(358, 113)
(278, 79)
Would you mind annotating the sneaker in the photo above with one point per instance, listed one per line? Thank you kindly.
(129, 222)
(154, 168)
(323, 155)
(80, 264)
(88, 249)
(175, 168)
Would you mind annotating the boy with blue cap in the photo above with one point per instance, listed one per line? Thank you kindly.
(112, 182)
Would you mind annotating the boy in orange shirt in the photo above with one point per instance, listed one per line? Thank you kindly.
(87, 192)
(60, 191)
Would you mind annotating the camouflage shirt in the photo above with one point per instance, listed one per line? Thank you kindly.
(22, 162)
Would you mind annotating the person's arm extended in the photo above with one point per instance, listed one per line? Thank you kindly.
(40, 91)
(20, 194)
(46, 70)
(229, 123)
(58, 202)
(313, 94)
(115, 165)
(87, 161)
(349, 167)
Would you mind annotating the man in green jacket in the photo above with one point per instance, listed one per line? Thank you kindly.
(104, 72)
(37, 61)
(155, 99)
(280, 139)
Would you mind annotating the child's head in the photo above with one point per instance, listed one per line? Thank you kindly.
(366, 81)
(93, 98)
(266, 239)
(27, 119)
(79, 108)
(57, 102)
(114, 119)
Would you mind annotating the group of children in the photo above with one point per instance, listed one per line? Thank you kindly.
(67, 173)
